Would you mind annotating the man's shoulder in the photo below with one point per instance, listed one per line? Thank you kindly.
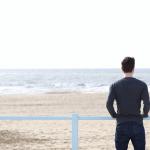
(117, 81)
(135, 80)
(141, 82)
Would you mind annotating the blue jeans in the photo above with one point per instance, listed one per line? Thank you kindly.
(130, 131)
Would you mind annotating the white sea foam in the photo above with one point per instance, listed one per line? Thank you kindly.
(62, 80)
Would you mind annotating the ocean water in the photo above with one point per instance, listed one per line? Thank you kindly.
(62, 80)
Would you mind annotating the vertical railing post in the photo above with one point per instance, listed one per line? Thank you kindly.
(74, 131)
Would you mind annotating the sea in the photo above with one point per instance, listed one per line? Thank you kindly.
(29, 81)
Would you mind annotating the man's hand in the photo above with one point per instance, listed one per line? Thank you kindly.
(144, 115)
(114, 115)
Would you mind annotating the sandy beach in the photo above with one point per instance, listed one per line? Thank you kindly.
(56, 135)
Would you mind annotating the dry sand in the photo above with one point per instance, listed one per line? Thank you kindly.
(56, 135)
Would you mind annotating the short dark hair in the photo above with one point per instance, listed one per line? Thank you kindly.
(128, 64)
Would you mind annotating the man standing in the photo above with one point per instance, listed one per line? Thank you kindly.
(128, 93)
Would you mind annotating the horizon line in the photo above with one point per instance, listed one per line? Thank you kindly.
(66, 68)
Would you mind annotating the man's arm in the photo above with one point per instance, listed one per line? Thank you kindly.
(110, 101)
(146, 101)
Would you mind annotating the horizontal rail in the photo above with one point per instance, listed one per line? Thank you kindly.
(58, 118)
(35, 118)
(100, 118)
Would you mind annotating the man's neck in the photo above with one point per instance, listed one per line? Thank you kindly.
(128, 74)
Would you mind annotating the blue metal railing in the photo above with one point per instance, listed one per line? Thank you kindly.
(75, 118)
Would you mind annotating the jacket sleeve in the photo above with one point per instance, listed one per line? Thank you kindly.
(110, 102)
(146, 101)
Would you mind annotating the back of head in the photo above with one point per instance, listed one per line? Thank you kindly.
(128, 64)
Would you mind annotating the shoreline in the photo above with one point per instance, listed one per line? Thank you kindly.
(55, 92)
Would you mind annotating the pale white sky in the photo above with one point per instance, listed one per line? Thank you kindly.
(73, 33)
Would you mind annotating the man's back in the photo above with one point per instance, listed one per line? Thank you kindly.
(128, 93)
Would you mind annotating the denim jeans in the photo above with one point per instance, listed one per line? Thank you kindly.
(130, 131)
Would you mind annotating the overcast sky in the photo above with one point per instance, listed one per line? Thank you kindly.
(74, 33)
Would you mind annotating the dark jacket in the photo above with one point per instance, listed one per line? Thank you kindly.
(128, 93)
